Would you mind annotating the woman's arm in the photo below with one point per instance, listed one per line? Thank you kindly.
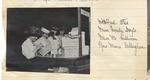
(38, 47)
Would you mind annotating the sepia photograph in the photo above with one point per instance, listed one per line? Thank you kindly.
(51, 40)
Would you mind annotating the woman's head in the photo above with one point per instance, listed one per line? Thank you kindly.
(33, 31)
(45, 32)
(62, 31)
(45, 35)
(33, 38)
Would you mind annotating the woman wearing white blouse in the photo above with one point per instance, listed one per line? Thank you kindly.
(29, 50)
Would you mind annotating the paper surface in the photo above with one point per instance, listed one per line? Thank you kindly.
(113, 56)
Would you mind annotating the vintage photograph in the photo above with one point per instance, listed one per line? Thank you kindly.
(52, 40)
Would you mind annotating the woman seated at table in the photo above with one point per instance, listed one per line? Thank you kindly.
(29, 50)
(47, 47)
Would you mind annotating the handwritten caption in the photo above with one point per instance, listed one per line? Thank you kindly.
(117, 34)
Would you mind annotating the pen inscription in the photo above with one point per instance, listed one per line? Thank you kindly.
(117, 34)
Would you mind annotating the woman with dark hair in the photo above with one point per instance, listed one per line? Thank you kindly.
(60, 49)
(29, 50)
(54, 42)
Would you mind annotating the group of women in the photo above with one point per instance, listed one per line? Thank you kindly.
(42, 42)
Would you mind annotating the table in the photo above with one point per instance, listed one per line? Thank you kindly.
(75, 65)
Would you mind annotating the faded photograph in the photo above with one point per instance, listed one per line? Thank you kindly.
(54, 40)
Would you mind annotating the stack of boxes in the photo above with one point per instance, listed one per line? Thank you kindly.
(74, 31)
(71, 46)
